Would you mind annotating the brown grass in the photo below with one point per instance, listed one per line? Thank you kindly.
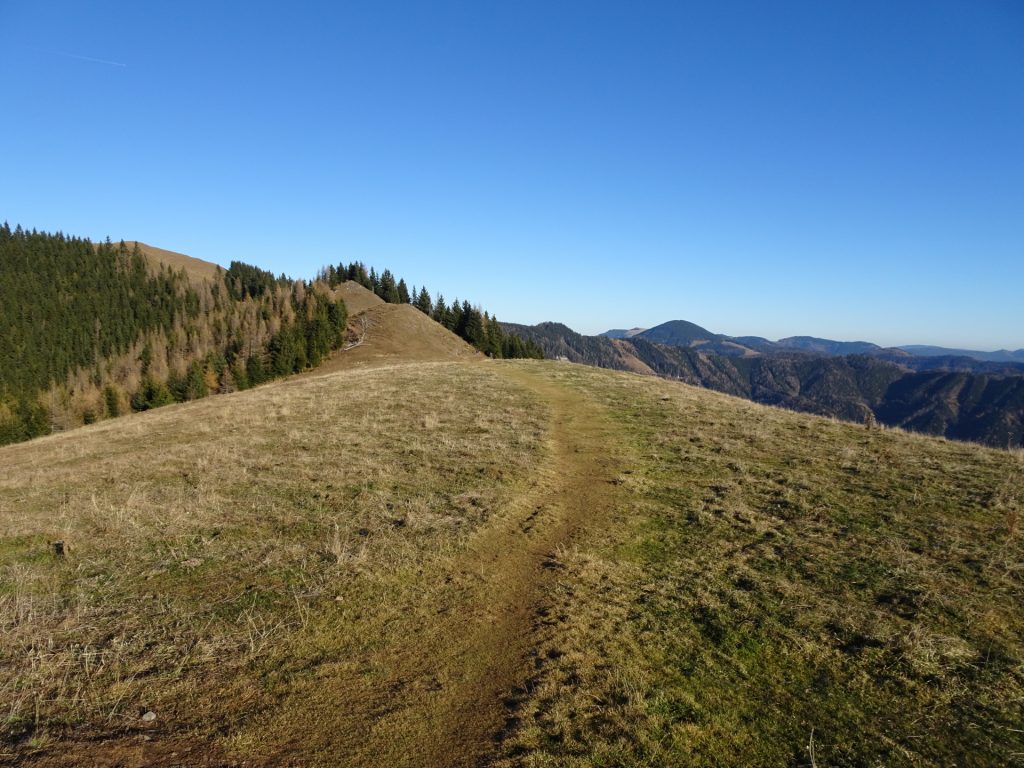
(357, 298)
(532, 562)
(393, 333)
(211, 545)
(197, 269)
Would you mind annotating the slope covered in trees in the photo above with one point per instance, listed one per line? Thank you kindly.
(91, 331)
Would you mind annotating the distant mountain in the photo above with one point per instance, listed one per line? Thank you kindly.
(999, 356)
(562, 342)
(680, 333)
(622, 333)
(982, 406)
(948, 363)
(826, 346)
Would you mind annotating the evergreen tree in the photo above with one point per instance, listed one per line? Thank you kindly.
(423, 302)
(492, 345)
(453, 317)
(440, 313)
(388, 288)
(255, 372)
(151, 394)
(112, 400)
(470, 325)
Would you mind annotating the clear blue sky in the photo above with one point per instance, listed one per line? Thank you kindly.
(852, 170)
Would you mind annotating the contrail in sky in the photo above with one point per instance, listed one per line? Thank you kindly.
(77, 56)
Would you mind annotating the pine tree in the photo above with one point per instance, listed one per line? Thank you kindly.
(112, 400)
(440, 312)
(388, 289)
(423, 302)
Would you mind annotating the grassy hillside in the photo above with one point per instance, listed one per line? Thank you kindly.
(381, 333)
(197, 269)
(530, 563)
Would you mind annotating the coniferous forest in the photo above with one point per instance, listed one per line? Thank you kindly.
(90, 331)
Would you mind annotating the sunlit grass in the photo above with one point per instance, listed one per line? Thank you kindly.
(783, 576)
(203, 541)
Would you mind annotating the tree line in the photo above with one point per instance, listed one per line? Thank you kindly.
(465, 320)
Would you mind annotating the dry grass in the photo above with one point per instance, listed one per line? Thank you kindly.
(204, 539)
(782, 575)
(197, 269)
(326, 570)
(393, 333)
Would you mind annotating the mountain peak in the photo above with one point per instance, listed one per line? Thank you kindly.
(679, 333)
(622, 333)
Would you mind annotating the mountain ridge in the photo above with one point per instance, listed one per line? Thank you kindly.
(686, 333)
(984, 403)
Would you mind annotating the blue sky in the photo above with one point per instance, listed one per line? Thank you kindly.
(852, 170)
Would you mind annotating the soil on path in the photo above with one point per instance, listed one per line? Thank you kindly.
(451, 692)
(448, 693)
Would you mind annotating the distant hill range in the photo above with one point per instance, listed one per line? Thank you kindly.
(999, 356)
(683, 333)
(942, 392)
(623, 333)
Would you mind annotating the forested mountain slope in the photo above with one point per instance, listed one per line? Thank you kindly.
(90, 331)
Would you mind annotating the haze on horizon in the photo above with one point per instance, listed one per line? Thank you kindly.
(845, 170)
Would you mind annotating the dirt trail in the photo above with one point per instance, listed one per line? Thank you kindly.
(447, 694)
(450, 693)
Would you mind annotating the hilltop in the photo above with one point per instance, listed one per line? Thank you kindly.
(517, 563)
(197, 269)
(93, 331)
(380, 333)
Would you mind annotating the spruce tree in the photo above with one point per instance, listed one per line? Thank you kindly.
(440, 312)
(423, 303)
(388, 289)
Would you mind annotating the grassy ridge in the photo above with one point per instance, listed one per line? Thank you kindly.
(769, 588)
(786, 583)
(220, 551)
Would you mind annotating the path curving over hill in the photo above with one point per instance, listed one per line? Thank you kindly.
(507, 564)
(450, 692)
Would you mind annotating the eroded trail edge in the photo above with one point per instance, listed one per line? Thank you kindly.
(450, 694)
